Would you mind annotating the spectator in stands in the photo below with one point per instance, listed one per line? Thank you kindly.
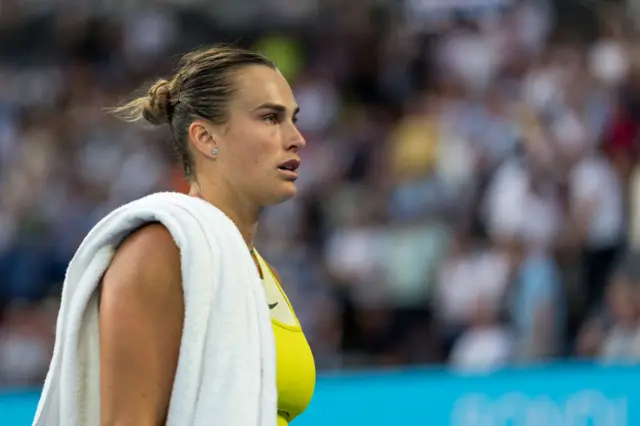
(538, 307)
(487, 344)
(612, 333)
(597, 211)
(26, 344)
(473, 273)
(620, 342)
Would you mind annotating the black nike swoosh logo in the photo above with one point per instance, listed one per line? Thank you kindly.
(273, 305)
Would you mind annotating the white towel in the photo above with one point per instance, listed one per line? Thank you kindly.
(226, 371)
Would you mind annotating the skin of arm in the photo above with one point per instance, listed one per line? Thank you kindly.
(141, 319)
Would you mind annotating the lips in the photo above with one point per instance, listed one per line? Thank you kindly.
(291, 165)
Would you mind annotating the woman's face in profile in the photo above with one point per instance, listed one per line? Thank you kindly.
(258, 149)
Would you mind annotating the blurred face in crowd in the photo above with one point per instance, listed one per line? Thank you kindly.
(462, 241)
(484, 312)
(622, 300)
(257, 157)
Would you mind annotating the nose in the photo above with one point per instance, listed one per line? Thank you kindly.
(295, 140)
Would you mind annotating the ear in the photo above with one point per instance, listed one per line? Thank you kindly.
(202, 135)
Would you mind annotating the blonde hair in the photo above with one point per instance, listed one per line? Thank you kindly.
(202, 87)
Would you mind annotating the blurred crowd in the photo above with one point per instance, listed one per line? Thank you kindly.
(469, 191)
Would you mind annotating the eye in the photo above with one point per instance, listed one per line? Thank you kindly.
(295, 119)
(271, 119)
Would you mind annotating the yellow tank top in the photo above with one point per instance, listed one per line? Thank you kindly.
(295, 366)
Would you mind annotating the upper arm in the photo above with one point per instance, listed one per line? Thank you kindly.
(141, 318)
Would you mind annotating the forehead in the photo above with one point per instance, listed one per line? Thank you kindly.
(260, 84)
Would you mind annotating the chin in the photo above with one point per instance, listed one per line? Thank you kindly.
(285, 193)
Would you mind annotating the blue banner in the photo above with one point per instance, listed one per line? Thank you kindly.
(563, 395)
(568, 395)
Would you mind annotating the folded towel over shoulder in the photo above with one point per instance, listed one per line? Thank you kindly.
(226, 371)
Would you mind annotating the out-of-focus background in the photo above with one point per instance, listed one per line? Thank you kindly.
(469, 199)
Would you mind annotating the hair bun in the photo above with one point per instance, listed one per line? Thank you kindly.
(158, 109)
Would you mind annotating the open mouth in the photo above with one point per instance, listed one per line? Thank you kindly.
(291, 165)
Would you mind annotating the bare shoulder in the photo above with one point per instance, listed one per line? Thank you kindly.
(147, 256)
(144, 275)
(144, 278)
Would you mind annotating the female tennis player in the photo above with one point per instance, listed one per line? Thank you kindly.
(233, 120)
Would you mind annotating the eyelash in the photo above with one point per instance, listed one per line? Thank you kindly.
(273, 119)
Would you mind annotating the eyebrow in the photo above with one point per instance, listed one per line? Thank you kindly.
(276, 107)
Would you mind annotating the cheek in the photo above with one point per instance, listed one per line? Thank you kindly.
(257, 150)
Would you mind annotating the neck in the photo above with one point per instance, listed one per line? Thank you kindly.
(242, 213)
